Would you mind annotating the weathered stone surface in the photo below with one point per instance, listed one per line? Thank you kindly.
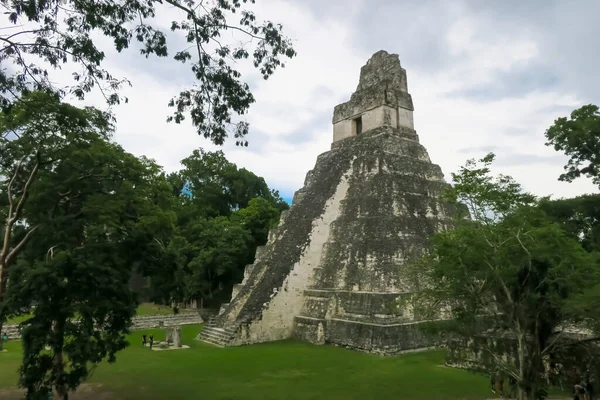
(138, 323)
(174, 335)
(381, 99)
(331, 270)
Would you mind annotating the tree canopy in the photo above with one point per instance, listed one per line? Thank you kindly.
(225, 217)
(44, 35)
(33, 138)
(90, 210)
(579, 216)
(579, 138)
(510, 273)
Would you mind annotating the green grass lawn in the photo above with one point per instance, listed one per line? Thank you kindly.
(280, 370)
(142, 310)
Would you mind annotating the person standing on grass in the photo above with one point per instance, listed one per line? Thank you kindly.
(144, 340)
(558, 372)
(493, 382)
(151, 340)
(579, 392)
(589, 385)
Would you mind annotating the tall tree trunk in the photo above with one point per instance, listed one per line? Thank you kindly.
(3, 284)
(58, 367)
(15, 209)
(521, 390)
(1, 335)
(60, 390)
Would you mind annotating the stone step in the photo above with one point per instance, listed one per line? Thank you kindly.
(236, 289)
(12, 331)
(216, 332)
(247, 272)
(220, 336)
(298, 195)
(282, 216)
(273, 233)
(223, 308)
(213, 338)
(231, 331)
(308, 178)
(211, 341)
(325, 294)
(214, 329)
(259, 251)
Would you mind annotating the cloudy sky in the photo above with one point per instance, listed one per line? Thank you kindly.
(484, 76)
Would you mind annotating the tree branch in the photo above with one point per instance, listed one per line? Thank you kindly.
(30, 179)
(20, 246)
(77, 58)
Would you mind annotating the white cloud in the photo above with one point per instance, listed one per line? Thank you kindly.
(326, 72)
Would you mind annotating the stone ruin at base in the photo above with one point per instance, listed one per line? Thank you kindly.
(331, 272)
(174, 336)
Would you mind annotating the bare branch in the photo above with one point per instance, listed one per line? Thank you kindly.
(10, 186)
(13, 253)
(30, 179)
(50, 252)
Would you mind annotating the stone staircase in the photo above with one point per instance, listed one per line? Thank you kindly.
(138, 323)
(223, 335)
(216, 336)
(157, 321)
(12, 331)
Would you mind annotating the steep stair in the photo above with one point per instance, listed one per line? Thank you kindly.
(216, 336)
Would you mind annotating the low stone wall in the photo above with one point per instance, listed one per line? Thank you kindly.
(155, 321)
(368, 337)
(142, 322)
(572, 349)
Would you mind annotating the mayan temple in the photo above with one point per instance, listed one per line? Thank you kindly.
(331, 271)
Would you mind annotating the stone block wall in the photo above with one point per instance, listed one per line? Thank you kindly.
(286, 300)
(368, 337)
(139, 323)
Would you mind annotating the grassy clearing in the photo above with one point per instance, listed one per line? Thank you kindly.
(152, 309)
(143, 309)
(287, 369)
(17, 320)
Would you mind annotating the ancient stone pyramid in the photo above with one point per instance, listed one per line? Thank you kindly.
(331, 271)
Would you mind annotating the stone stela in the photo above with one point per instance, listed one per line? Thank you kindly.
(174, 336)
(332, 270)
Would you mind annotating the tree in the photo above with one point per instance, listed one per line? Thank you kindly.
(279, 202)
(579, 216)
(508, 278)
(579, 138)
(96, 209)
(32, 135)
(59, 32)
(235, 206)
(217, 186)
(258, 218)
(220, 250)
(171, 282)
